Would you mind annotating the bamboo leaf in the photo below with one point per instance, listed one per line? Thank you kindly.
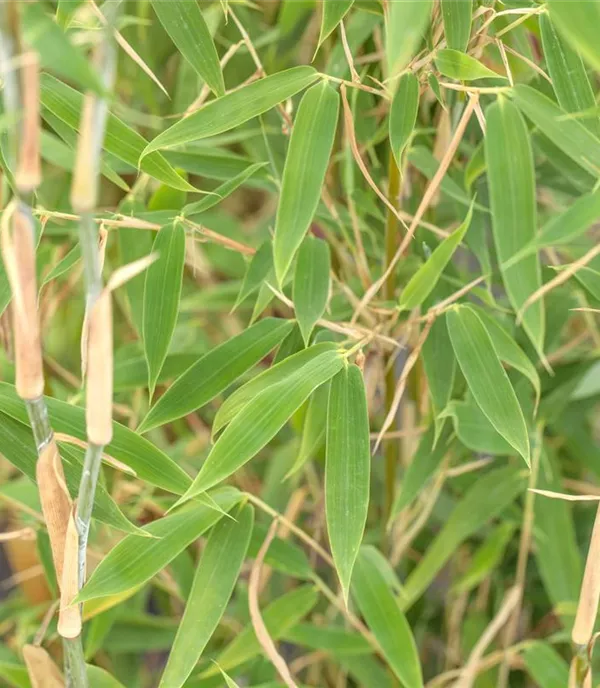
(514, 221)
(280, 372)
(579, 20)
(304, 172)
(215, 579)
(215, 371)
(545, 666)
(456, 65)
(488, 497)
(473, 428)
(184, 23)
(333, 13)
(135, 560)
(120, 140)
(234, 108)
(406, 24)
(259, 270)
(261, 419)
(380, 609)
(347, 470)
(456, 15)
(162, 292)
(486, 377)
(55, 50)
(222, 191)
(569, 78)
(313, 429)
(403, 114)
(439, 363)
(567, 133)
(423, 282)
(311, 284)
(149, 462)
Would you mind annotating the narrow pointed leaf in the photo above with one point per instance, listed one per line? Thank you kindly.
(304, 172)
(347, 470)
(569, 134)
(120, 140)
(276, 374)
(333, 13)
(486, 377)
(313, 429)
(487, 498)
(569, 77)
(279, 617)
(162, 292)
(311, 284)
(235, 108)
(456, 65)
(216, 370)
(54, 48)
(440, 367)
(579, 21)
(514, 219)
(185, 24)
(403, 114)
(457, 16)
(545, 666)
(214, 582)
(136, 560)
(378, 606)
(261, 419)
(222, 191)
(406, 24)
(149, 462)
(422, 283)
(474, 430)
(259, 270)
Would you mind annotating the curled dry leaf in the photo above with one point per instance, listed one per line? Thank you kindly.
(42, 671)
(587, 609)
(69, 615)
(55, 500)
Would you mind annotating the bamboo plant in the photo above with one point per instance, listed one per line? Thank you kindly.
(299, 313)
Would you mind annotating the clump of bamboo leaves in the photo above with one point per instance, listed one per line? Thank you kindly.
(333, 418)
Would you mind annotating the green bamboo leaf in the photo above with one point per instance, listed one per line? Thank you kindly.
(405, 26)
(135, 560)
(279, 617)
(100, 678)
(508, 350)
(439, 363)
(486, 558)
(259, 270)
(304, 172)
(486, 377)
(569, 78)
(423, 282)
(473, 428)
(120, 140)
(149, 462)
(282, 555)
(488, 497)
(313, 429)
(347, 470)
(222, 191)
(184, 23)
(334, 639)
(579, 21)
(311, 284)
(261, 419)
(162, 292)
(234, 108)
(511, 180)
(215, 579)
(280, 372)
(456, 65)
(457, 18)
(380, 609)
(230, 683)
(333, 13)
(215, 371)
(55, 50)
(566, 133)
(403, 114)
(545, 666)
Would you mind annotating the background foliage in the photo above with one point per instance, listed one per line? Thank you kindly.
(355, 384)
